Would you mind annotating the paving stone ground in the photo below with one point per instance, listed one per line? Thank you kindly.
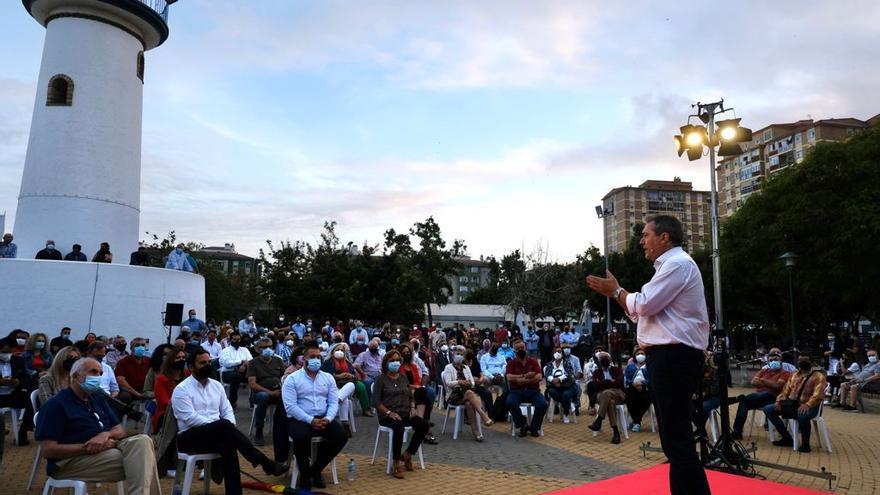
(567, 455)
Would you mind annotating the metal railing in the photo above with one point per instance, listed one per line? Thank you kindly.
(160, 6)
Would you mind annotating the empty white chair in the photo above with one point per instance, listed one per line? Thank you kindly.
(190, 469)
(294, 467)
(458, 420)
(406, 432)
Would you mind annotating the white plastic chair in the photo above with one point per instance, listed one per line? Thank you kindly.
(294, 467)
(818, 423)
(458, 420)
(652, 418)
(552, 406)
(37, 459)
(441, 397)
(79, 487)
(190, 469)
(528, 410)
(269, 420)
(17, 416)
(384, 429)
(350, 418)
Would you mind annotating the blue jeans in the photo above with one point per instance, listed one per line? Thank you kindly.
(262, 400)
(803, 420)
(749, 402)
(517, 397)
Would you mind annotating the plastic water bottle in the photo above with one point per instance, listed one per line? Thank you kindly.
(351, 469)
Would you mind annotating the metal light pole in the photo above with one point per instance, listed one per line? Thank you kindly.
(604, 213)
(789, 258)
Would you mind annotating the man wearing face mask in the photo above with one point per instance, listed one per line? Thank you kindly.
(131, 372)
(369, 364)
(264, 379)
(247, 325)
(14, 383)
(298, 328)
(61, 341)
(194, 324)
(807, 388)
(506, 351)
(673, 329)
(233, 364)
(82, 439)
(867, 380)
(281, 324)
(211, 345)
(769, 382)
(116, 354)
(206, 423)
(178, 260)
(49, 252)
(493, 366)
(524, 381)
(311, 400)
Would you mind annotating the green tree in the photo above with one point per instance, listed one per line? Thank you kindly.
(435, 262)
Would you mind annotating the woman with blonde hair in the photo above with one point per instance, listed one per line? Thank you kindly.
(58, 376)
(37, 358)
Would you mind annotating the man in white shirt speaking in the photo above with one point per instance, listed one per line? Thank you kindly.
(673, 329)
(206, 424)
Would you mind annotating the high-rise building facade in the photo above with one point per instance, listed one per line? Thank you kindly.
(632, 205)
(774, 148)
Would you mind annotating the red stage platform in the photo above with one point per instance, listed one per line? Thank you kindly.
(655, 481)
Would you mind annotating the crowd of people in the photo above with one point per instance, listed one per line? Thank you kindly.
(179, 258)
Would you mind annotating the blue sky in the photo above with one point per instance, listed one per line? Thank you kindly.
(506, 120)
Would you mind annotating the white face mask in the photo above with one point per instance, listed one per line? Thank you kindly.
(557, 356)
(289, 343)
(444, 348)
(339, 354)
(640, 358)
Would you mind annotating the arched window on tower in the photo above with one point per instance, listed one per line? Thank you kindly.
(60, 93)
(140, 66)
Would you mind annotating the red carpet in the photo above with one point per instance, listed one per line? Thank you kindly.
(655, 481)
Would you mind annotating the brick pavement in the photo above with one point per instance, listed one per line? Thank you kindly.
(567, 455)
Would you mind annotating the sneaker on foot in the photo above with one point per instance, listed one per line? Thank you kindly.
(565, 419)
(636, 427)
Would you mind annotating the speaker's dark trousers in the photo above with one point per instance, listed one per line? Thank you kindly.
(222, 437)
(675, 373)
(301, 433)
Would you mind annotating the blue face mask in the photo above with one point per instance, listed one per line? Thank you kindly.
(139, 351)
(319, 340)
(394, 341)
(196, 341)
(91, 384)
(314, 365)
(504, 346)
(458, 358)
(872, 359)
(775, 365)
(178, 250)
(394, 366)
(382, 346)
(267, 352)
(566, 351)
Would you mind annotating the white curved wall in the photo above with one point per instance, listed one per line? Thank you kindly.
(81, 180)
(117, 299)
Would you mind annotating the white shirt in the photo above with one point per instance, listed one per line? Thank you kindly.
(305, 398)
(213, 349)
(195, 405)
(108, 379)
(231, 357)
(671, 308)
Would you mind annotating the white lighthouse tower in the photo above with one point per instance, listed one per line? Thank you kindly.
(82, 175)
(81, 180)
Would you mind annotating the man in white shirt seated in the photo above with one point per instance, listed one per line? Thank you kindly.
(206, 424)
(233, 365)
(212, 346)
(311, 400)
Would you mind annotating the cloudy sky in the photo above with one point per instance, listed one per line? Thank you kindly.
(505, 120)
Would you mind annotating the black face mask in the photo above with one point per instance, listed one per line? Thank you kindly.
(68, 364)
(521, 353)
(202, 373)
(374, 350)
(178, 365)
(407, 358)
(606, 363)
(236, 345)
(120, 347)
(804, 365)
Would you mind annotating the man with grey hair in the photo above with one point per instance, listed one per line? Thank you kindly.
(264, 379)
(49, 253)
(82, 439)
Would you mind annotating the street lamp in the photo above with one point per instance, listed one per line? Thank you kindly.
(727, 137)
(603, 213)
(789, 259)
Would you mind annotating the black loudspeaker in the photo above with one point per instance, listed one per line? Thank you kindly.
(173, 314)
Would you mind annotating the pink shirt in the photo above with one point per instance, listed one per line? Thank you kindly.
(671, 308)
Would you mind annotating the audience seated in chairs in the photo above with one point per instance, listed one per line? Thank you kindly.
(82, 439)
(173, 372)
(339, 364)
(867, 380)
(807, 387)
(608, 380)
(560, 381)
(131, 373)
(418, 375)
(769, 382)
(15, 386)
(311, 400)
(233, 365)
(458, 383)
(58, 377)
(206, 424)
(635, 382)
(394, 403)
(481, 382)
(524, 382)
(590, 367)
(37, 357)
